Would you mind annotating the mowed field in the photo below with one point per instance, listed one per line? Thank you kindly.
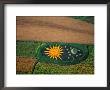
(54, 29)
(33, 32)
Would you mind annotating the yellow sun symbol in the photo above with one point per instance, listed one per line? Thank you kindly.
(54, 52)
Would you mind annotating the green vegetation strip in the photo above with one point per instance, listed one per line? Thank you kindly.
(26, 48)
(43, 68)
(89, 19)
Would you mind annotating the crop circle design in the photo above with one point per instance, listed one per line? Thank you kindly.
(62, 53)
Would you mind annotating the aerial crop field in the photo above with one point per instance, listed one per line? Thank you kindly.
(50, 57)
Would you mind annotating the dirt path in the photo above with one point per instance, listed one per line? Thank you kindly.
(54, 29)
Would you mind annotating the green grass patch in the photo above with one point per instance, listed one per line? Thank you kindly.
(26, 48)
(89, 19)
(90, 58)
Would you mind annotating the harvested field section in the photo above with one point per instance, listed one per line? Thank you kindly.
(54, 29)
(24, 64)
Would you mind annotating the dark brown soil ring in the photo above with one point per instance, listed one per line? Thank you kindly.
(25, 64)
(54, 29)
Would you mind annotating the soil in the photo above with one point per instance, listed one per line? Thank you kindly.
(54, 29)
